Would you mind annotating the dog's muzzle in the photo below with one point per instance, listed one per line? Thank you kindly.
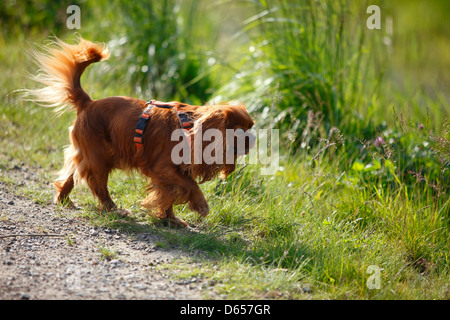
(243, 141)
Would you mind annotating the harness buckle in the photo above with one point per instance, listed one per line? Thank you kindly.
(184, 120)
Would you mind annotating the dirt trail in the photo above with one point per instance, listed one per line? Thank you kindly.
(47, 267)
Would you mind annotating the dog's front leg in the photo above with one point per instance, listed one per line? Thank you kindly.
(173, 220)
(170, 186)
(197, 201)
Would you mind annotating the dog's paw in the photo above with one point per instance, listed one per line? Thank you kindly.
(121, 212)
(115, 211)
(66, 203)
(176, 222)
(202, 208)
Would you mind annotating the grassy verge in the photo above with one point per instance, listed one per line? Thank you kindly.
(303, 233)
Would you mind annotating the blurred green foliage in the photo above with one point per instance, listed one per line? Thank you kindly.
(24, 17)
(152, 41)
(156, 56)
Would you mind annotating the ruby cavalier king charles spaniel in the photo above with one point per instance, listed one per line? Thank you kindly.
(131, 134)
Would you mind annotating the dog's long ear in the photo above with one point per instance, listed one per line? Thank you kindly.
(213, 119)
(210, 129)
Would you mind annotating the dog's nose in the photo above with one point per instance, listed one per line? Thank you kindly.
(251, 140)
(245, 140)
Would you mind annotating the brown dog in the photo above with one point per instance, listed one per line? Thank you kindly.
(103, 137)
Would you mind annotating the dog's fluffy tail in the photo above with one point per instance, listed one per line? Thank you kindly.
(60, 68)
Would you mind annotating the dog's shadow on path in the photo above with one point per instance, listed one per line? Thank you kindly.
(212, 241)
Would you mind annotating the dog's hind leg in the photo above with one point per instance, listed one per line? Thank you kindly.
(65, 183)
(98, 183)
(63, 189)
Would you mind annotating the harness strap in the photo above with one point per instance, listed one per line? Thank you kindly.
(184, 120)
(140, 128)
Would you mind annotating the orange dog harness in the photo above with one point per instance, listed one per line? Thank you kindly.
(186, 124)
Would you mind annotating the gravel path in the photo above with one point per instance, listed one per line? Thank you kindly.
(47, 267)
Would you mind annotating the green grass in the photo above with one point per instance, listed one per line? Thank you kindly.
(340, 204)
(107, 253)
